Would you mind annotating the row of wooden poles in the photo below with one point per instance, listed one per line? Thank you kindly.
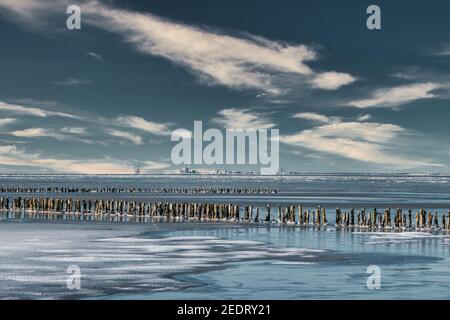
(122, 189)
(292, 214)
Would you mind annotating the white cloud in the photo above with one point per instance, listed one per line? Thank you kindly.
(244, 61)
(125, 135)
(315, 117)
(396, 96)
(65, 133)
(364, 117)
(31, 132)
(74, 130)
(236, 62)
(72, 82)
(25, 8)
(6, 121)
(37, 133)
(144, 125)
(10, 155)
(366, 131)
(233, 118)
(32, 111)
(332, 80)
(362, 141)
(70, 132)
(95, 55)
(128, 121)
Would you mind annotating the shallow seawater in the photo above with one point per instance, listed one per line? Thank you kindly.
(148, 260)
(381, 190)
(213, 261)
(336, 268)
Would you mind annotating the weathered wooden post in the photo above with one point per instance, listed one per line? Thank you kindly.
(318, 216)
(338, 216)
(448, 221)
(300, 214)
(444, 225)
(268, 213)
(436, 220)
(324, 216)
(429, 220)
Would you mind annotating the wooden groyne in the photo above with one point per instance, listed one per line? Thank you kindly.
(398, 219)
(123, 189)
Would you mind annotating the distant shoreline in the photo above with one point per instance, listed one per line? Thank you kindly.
(380, 174)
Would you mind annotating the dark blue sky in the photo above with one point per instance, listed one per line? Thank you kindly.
(106, 98)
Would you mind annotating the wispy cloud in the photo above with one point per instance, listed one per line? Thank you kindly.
(32, 111)
(27, 9)
(94, 55)
(125, 135)
(312, 116)
(6, 121)
(364, 117)
(37, 133)
(72, 82)
(233, 118)
(239, 62)
(396, 96)
(368, 142)
(80, 133)
(10, 155)
(144, 125)
(74, 130)
(442, 51)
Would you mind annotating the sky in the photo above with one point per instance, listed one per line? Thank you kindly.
(106, 98)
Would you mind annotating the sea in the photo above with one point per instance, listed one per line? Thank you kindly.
(87, 258)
